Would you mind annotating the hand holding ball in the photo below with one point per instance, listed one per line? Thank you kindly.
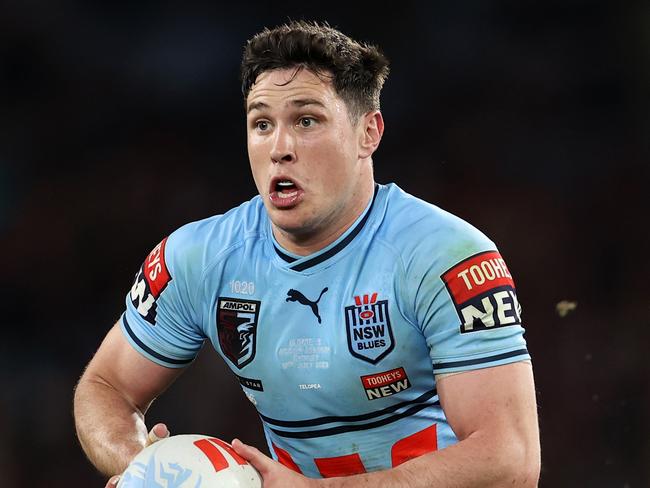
(190, 460)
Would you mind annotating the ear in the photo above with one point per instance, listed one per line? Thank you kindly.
(371, 128)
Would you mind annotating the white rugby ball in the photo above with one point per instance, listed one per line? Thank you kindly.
(192, 461)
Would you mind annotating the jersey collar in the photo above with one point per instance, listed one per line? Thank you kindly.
(301, 263)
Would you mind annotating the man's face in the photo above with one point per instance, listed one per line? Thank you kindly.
(305, 156)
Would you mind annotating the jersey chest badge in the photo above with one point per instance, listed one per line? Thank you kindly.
(370, 336)
(237, 329)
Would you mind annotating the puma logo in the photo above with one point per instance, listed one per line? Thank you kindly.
(296, 296)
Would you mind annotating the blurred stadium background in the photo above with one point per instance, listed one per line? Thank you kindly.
(120, 121)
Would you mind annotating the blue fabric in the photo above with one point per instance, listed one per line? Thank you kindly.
(337, 350)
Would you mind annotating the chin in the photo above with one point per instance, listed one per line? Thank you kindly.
(291, 226)
(290, 222)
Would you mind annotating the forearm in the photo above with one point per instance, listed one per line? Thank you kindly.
(474, 462)
(111, 430)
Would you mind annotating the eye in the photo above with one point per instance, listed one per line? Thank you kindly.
(306, 122)
(262, 125)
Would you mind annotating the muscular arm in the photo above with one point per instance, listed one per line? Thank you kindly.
(493, 413)
(111, 399)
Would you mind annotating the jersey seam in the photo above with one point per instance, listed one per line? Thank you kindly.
(522, 354)
(402, 269)
(160, 353)
(219, 258)
(482, 354)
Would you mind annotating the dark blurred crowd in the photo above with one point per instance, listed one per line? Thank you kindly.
(121, 121)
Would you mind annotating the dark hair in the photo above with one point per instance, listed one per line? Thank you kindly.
(357, 71)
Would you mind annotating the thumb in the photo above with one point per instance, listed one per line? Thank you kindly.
(112, 482)
(253, 455)
(157, 432)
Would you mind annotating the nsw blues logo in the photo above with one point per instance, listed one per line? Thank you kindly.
(370, 336)
(237, 329)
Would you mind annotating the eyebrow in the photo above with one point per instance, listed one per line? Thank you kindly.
(256, 106)
(301, 102)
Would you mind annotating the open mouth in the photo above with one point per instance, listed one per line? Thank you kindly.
(284, 188)
(284, 192)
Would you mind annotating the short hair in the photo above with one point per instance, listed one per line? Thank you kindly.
(357, 70)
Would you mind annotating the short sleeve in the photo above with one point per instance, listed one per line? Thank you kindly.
(160, 320)
(468, 310)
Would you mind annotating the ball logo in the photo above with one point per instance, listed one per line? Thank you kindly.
(149, 283)
(370, 336)
(189, 460)
(483, 293)
(210, 447)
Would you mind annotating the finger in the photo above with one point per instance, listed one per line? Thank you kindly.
(112, 482)
(157, 432)
(259, 460)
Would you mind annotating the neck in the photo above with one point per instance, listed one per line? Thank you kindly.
(311, 242)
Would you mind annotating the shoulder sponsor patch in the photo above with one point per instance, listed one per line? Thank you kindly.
(237, 329)
(387, 383)
(483, 293)
(149, 283)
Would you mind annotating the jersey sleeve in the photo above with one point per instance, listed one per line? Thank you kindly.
(161, 320)
(467, 306)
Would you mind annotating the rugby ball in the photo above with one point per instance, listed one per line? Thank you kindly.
(192, 461)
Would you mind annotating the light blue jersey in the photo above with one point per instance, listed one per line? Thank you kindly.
(338, 350)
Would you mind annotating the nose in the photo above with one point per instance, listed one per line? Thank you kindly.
(283, 149)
